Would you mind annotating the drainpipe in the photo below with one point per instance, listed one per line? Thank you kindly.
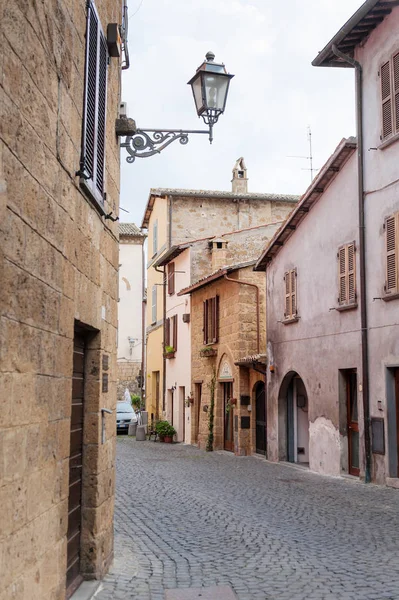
(143, 385)
(362, 256)
(257, 307)
(163, 271)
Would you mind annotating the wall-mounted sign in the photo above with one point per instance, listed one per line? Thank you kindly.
(105, 382)
(225, 371)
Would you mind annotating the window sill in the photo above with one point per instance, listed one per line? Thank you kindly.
(389, 297)
(391, 140)
(289, 321)
(345, 307)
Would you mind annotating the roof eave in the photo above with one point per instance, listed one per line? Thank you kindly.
(323, 59)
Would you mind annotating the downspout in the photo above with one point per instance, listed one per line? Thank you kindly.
(163, 335)
(257, 307)
(143, 382)
(362, 256)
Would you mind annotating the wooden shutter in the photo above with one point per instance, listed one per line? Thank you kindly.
(171, 278)
(395, 70)
(215, 318)
(205, 321)
(92, 162)
(342, 275)
(167, 332)
(287, 279)
(293, 293)
(386, 99)
(391, 240)
(155, 237)
(351, 261)
(174, 325)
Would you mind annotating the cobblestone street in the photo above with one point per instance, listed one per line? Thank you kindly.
(185, 518)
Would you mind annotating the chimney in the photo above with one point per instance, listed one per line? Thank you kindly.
(219, 253)
(240, 179)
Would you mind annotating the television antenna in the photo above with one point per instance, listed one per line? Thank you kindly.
(310, 157)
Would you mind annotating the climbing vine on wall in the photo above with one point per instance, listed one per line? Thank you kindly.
(211, 414)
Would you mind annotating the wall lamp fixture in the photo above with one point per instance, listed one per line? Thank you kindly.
(210, 86)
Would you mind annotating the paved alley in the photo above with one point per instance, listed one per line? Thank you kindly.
(185, 518)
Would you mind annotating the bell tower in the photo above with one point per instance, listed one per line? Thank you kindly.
(240, 179)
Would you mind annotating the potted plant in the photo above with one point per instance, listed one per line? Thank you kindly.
(229, 404)
(208, 351)
(170, 431)
(189, 400)
(169, 352)
(160, 429)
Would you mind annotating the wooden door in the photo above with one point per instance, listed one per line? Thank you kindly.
(198, 394)
(228, 417)
(260, 419)
(397, 417)
(353, 424)
(73, 576)
(157, 379)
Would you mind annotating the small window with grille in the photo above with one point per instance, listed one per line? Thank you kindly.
(391, 226)
(291, 308)
(347, 275)
(92, 161)
(389, 76)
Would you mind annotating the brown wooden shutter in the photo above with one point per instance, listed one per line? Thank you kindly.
(351, 262)
(391, 237)
(174, 322)
(395, 69)
(287, 279)
(215, 319)
(342, 275)
(171, 278)
(92, 162)
(167, 332)
(386, 98)
(101, 113)
(293, 293)
(205, 321)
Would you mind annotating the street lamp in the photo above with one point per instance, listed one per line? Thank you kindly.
(210, 86)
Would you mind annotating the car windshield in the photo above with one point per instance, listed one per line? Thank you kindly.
(124, 407)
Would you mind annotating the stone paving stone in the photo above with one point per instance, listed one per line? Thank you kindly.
(189, 519)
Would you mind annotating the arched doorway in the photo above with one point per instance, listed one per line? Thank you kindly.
(225, 378)
(261, 418)
(293, 420)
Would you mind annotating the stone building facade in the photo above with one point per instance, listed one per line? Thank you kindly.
(130, 309)
(173, 217)
(59, 274)
(228, 330)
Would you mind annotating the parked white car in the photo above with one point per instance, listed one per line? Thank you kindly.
(124, 416)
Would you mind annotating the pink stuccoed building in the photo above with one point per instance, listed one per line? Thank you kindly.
(332, 275)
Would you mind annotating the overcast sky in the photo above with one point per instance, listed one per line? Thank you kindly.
(275, 95)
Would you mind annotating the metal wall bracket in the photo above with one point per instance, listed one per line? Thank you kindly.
(147, 142)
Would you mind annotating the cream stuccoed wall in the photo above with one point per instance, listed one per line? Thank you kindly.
(154, 329)
(178, 369)
(381, 177)
(323, 341)
(130, 299)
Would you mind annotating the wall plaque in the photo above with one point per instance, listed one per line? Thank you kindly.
(105, 362)
(245, 422)
(377, 435)
(225, 371)
(105, 382)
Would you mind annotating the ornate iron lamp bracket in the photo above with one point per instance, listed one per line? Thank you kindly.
(147, 142)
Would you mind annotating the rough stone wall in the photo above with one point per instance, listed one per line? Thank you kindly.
(195, 218)
(128, 373)
(59, 264)
(237, 338)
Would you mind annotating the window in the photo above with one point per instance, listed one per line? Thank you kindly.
(92, 161)
(347, 275)
(211, 320)
(290, 311)
(171, 278)
(391, 252)
(171, 332)
(155, 238)
(389, 74)
(154, 304)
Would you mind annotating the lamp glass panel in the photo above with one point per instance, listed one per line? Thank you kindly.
(215, 91)
(196, 85)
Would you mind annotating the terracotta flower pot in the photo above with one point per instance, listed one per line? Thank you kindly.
(161, 438)
(168, 439)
